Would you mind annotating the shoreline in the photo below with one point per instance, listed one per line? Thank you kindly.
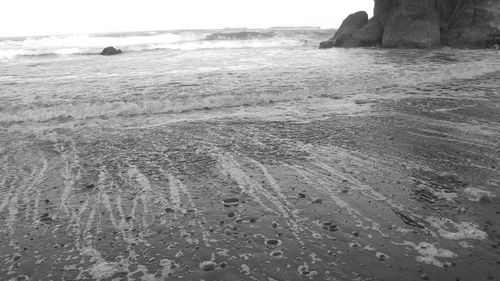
(406, 187)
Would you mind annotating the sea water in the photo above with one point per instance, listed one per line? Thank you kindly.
(339, 164)
(45, 78)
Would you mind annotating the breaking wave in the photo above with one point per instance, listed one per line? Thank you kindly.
(243, 35)
(93, 44)
(133, 108)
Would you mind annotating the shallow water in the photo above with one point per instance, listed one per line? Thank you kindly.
(165, 81)
(274, 163)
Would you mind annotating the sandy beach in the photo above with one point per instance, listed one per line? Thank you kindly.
(397, 183)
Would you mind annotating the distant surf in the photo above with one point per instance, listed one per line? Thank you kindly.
(152, 40)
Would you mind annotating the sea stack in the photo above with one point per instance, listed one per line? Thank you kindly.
(110, 51)
(351, 24)
(426, 24)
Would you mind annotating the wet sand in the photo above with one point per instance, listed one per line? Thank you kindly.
(402, 186)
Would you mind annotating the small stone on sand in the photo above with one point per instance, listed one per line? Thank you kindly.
(485, 199)
(229, 202)
(208, 265)
(272, 242)
(317, 201)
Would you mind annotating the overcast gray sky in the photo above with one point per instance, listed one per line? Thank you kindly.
(41, 17)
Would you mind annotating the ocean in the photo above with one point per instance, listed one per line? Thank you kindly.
(241, 154)
(53, 77)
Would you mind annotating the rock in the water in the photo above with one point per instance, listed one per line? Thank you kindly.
(110, 51)
(350, 25)
(426, 23)
(326, 44)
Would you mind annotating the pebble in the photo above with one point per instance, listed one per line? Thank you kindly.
(424, 277)
(328, 225)
(485, 199)
(229, 202)
(317, 201)
(276, 253)
(380, 256)
(46, 218)
(272, 242)
(208, 265)
(302, 195)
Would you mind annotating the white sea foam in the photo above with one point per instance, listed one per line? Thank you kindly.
(88, 44)
(476, 193)
(456, 231)
(90, 110)
(429, 253)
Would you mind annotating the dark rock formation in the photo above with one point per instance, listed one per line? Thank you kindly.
(326, 44)
(110, 51)
(369, 35)
(428, 23)
(412, 24)
(469, 23)
(350, 25)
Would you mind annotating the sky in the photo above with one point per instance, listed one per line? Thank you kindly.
(50, 17)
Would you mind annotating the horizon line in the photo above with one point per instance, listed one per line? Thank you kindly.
(162, 30)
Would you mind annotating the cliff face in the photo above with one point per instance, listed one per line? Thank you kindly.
(430, 23)
(411, 23)
(469, 23)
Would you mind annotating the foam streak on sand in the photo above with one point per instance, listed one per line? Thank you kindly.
(312, 177)
(176, 189)
(145, 191)
(70, 164)
(429, 253)
(457, 231)
(231, 168)
(13, 209)
(38, 190)
(254, 189)
(174, 192)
